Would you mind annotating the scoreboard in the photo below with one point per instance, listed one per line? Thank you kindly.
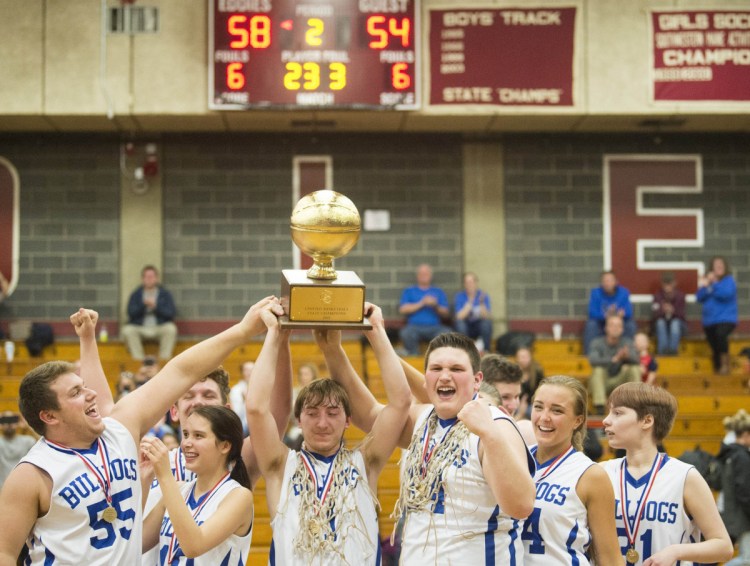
(314, 54)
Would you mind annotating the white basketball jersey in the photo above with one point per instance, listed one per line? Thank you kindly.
(356, 520)
(74, 530)
(464, 526)
(180, 473)
(557, 531)
(664, 520)
(233, 551)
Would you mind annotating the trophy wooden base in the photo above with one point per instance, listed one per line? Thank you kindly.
(336, 304)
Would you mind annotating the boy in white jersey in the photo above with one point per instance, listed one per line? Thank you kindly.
(321, 499)
(663, 506)
(467, 475)
(76, 498)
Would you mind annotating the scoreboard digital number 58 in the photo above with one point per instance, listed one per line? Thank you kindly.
(314, 54)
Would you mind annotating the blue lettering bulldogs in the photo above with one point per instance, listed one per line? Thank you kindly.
(75, 538)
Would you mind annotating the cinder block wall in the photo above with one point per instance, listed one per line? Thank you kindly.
(227, 201)
(553, 191)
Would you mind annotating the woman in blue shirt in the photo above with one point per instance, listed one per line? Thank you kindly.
(717, 292)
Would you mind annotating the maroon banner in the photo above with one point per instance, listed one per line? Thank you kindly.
(9, 221)
(507, 57)
(701, 55)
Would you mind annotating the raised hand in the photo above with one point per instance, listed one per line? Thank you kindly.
(84, 322)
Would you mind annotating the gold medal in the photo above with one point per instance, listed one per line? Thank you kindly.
(632, 555)
(109, 514)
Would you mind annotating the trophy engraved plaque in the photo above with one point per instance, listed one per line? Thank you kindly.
(324, 225)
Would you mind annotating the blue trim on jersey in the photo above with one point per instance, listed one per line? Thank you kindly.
(489, 538)
(321, 458)
(643, 480)
(272, 555)
(90, 450)
(512, 547)
(542, 465)
(225, 561)
(569, 546)
(447, 422)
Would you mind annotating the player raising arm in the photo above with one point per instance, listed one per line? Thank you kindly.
(321, 499)
(76, 497)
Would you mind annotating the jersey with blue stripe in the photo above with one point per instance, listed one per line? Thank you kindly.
(232, 551)
(464, 525)
(181, 474)
(74, 531)
(360, 537)
(557, 531)
(664, 519)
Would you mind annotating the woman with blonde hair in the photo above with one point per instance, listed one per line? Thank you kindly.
(573, 521)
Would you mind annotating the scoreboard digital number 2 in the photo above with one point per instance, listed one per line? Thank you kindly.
(313, 54)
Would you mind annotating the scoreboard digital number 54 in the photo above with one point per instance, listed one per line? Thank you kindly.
(314, 53)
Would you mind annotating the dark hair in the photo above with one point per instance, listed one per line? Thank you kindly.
(227, 427)
(645, 400)
(221, 377)
(321, 391)
(454, 340)
(35, 394)
(499, 369)
(149, 267)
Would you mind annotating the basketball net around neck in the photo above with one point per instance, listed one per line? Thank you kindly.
(424, 470)
(316, 534)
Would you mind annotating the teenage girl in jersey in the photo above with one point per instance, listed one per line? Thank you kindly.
(663, 505)
(208, 520)
(573, 518)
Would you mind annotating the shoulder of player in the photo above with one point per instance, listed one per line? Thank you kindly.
(28, 483)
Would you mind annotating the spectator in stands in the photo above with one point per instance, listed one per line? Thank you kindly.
(151, 312)
(13, 445)
(472, 312)
(646, 359)
(668, 316)
(238, 392)
(735, 483)
(531, 375)
(125, 385)
(614, 361)
(149, 368)
(609, 298)
(717, 292)
(424, 306)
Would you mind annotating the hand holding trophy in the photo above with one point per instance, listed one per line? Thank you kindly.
(324, 225)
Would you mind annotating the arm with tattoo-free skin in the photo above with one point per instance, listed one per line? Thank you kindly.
(503, 456)
(84, 322)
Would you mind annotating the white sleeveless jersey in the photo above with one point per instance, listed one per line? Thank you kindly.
(74, 530)
(664, 520)
(464, 526)
(180, 473)
(557, 531)
(233, 551)
(356, 520)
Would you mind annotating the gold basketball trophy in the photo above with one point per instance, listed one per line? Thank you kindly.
(324, 225)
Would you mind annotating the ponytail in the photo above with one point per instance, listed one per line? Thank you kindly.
(239, 473)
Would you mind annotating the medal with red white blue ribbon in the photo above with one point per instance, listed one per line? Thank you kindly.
(103, 478)
(631, 531)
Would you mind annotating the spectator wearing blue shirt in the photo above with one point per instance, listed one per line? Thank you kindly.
(472, 312)
(717, 292)
(608, 299)
(425, 307)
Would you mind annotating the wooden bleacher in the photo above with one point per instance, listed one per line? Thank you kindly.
(704, 399)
